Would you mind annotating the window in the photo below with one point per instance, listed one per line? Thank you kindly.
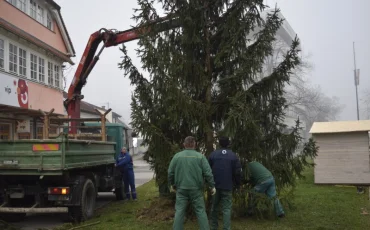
(33, 67)
(40, 14)
(13, 2)
(13, 56)
(40, 131)
(2, 54)
(57, 79)
(50, 73)
(4, 131)
(41, 70)
(22, 62)
(21, 4)
(33, 9)
(53, 130)
(49, 22)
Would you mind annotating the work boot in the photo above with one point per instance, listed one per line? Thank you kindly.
(133, 194)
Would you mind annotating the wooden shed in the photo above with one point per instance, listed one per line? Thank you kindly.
(343, 156)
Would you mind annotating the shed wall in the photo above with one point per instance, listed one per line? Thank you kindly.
(343, 158)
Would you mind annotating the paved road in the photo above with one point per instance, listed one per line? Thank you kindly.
(143, 174)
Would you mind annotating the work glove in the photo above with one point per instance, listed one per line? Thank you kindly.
(173, 188)
(213, 191)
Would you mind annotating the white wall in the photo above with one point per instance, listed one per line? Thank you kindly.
(88, 115)
(109, 115)
(343, 158)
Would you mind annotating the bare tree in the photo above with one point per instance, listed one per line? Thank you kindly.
(365, 102)
(66, 70)
(305, 100)
(319, 107)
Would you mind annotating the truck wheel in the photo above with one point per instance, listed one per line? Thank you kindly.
(86, 210)
(12, 217)
(120, 192)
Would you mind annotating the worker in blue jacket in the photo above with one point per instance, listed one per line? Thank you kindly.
(227, 172)
(124, 163)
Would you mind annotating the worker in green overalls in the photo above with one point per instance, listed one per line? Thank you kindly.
(263, 181)
(185, 175)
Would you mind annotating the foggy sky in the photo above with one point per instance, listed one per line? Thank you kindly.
(326, 28)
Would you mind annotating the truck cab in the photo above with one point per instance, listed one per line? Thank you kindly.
(116, 132)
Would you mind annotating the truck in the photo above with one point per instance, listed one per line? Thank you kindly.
(64, 172)
(60, 174)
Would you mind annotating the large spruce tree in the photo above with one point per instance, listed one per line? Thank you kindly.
(206, 79)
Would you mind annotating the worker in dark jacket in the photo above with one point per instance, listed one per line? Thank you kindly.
(263, 181)
(226, 170)
(124, 163)
(185, 175)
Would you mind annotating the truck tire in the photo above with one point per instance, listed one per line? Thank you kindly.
(84, 211)
(120, 192)
(12, 217)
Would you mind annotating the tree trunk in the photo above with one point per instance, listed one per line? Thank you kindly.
(163, 190)
(208, 97)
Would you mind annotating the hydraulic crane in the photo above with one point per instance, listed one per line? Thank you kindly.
(88, 60)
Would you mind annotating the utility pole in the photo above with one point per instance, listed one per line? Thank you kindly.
(356, 73)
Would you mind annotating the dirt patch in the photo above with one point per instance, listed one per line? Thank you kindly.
(160, 209)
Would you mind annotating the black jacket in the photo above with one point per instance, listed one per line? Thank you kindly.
(226, 169)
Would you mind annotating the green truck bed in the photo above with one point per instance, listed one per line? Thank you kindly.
(54, 156)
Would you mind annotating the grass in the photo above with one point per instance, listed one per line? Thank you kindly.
(317, 207)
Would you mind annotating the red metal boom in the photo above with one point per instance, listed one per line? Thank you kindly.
(88, 61)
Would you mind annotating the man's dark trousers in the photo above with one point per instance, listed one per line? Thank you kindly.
(225, 198)
(129, 181)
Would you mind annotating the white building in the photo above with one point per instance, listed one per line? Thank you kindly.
(34, 47)
(284, 38)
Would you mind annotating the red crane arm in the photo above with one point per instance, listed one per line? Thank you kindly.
(88, 60)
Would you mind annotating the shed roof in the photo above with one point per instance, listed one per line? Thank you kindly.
(340, 127)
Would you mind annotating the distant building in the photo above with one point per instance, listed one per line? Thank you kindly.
(284, 37)
(34, 46)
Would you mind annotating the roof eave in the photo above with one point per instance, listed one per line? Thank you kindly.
(53, 4)
(56, 10)
(64, 32)
(333, 127)
(337, 132)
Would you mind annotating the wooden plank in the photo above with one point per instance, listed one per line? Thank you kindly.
(75, 119)
(343, 158)
(334, 178)
(78, 135)
(81, 127)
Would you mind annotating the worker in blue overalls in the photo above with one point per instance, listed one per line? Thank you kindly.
(124, 163)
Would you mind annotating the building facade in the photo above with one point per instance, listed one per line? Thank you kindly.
(34, 48)
(284, 38)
